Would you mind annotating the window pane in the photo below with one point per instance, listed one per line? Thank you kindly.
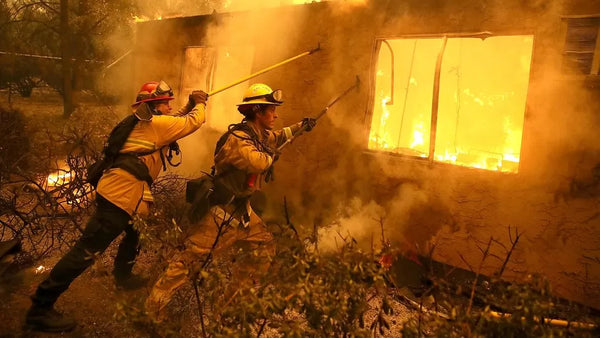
(483, 89)
(580, 44)
(402, 125)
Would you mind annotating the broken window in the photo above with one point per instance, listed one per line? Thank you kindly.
(211, 68)
(581, 54)
(469, 112)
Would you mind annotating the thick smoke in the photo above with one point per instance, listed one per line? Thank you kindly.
(372, 225)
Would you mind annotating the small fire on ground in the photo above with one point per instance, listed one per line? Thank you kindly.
(58, 184)
(41, 269)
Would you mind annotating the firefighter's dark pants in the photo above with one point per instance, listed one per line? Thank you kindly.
(106, 224)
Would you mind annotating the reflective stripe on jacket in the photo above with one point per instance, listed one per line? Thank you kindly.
(123, 189)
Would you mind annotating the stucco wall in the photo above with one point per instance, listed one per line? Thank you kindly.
(328, 177)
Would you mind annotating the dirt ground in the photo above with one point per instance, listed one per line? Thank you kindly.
(93, 301)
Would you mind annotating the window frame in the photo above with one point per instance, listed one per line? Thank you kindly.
(595, 63)
(430, 159)
(214, 78)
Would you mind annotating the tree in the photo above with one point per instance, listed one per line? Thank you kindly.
(72, 33)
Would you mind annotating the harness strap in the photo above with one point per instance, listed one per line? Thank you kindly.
(133, 165)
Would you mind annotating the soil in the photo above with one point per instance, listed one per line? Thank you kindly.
(91, 300)
(94, 302)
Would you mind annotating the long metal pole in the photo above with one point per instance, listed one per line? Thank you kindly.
(264, 70)
(321, 113)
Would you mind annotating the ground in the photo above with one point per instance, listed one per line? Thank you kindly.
(93, 301)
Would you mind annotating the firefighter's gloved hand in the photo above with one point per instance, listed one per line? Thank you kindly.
(274, 153)
(199, 96)
(196, 97)
(308, 123)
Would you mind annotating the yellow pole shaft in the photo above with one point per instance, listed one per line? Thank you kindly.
(551, 321)
(262, 71)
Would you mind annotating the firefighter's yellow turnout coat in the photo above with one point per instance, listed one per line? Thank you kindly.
(248, 159)
(125, 190)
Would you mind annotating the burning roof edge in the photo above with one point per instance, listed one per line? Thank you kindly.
(219, 15)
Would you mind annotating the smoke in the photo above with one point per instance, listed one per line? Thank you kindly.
(230, 44)
(372, 225)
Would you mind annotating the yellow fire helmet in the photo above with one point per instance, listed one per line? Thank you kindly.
(260, 93)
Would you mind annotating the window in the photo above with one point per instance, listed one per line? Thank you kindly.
(458, 100)
(581, 54)
(210, 68)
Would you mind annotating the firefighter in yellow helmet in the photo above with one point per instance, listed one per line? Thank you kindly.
(242, 157)
(123, 190)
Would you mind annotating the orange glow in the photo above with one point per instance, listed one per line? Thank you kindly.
(144, 18)
(57, 183)
(483, 89)
(59, 178)
(300, 2)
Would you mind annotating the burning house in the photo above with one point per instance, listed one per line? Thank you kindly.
(473, 119)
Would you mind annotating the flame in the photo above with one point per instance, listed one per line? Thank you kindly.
(418, 136)
(301, 2)
(59, 178)
(139, 19)
(379, 139)
(41, 269)
(144, 18)
(483, 88)
(58, 182)
(345, 2)
(181, 9)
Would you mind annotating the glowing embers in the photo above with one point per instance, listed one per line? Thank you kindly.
(66, 190)
(483, 89)
(144, 18)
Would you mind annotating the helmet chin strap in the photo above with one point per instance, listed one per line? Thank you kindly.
(154, 110)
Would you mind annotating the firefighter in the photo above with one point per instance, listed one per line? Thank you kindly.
(121, 194)
(243, 156)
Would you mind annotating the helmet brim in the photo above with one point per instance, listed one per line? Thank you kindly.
(158, 98)
(253, 102)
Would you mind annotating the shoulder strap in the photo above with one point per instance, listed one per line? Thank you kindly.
(118, 136)
(231, 131)
(129, 162)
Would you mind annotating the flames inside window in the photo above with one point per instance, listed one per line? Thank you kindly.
(481, 101)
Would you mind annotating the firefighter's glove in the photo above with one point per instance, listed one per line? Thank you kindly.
(274, 153)
(199, 96)
(308, 123)
(196, 97)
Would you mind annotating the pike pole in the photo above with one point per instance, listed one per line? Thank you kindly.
(262, 71)
(320, 114)
(269, 175)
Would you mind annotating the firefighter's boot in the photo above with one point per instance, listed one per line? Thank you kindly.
(46, 319)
